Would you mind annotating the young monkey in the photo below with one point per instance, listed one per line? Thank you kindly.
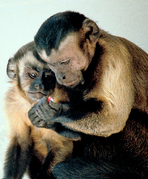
(30, 148)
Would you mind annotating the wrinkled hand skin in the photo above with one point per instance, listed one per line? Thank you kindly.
(45, 115)
(42, 112)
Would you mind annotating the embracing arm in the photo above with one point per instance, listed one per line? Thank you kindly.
(94, 117)
(102, 111)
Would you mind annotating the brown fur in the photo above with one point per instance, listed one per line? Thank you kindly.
(22, 132)
(120, 77)
(107, 80)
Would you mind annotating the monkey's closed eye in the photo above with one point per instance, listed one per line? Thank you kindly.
(32, 75)
(65, 62)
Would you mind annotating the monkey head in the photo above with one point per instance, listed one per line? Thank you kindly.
(72, 51)
(30, 75)
(67, 62)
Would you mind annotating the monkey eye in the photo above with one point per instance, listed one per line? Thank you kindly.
(65, 62)
(32, 75)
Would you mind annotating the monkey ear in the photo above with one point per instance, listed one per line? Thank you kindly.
(90, 30)
(11, 69)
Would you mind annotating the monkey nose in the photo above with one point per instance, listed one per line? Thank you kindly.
(38, 86)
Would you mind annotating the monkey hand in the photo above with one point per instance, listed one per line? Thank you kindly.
(44, 112)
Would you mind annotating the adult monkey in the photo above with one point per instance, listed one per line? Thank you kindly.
(31, 79)
(106, 77)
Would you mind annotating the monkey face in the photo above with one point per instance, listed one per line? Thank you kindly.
(33, 78)
(40, 82)
(36, 79)
(68, 62)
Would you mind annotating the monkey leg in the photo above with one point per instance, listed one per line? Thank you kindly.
(18, 157)
(75, 168)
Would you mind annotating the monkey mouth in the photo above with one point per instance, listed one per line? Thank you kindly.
(36, 95)
(72, 83)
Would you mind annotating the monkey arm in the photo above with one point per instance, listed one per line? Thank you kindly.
(105, 109)
(100, 123)
(102, 112)
(85, 168)
(90, 117)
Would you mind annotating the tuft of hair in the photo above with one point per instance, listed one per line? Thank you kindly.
(25, 49)
(56, 28)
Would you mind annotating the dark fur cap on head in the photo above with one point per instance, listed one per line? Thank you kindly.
(56, 28)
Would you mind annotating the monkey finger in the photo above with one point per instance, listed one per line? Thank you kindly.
(43, 101)
(55, 106)
(43, 112)
(32, 115)
(43, 105)
(47, 111)
(37, 121)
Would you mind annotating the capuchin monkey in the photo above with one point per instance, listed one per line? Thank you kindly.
(30, 148)
(106, 79)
